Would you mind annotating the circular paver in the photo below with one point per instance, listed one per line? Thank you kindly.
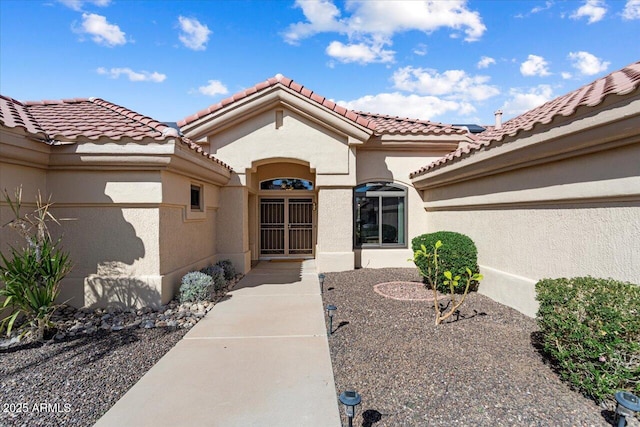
(405, 291)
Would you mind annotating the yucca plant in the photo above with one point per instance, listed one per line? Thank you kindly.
(32, 275)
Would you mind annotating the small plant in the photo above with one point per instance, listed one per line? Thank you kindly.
(32, 275)
(590, 329)
(196, 286)
(458, 253)
(428, 264)
(229, 269)
(217, 274)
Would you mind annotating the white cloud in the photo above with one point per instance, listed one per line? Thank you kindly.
(134, 76)
(535, 66)
(452, 84)
(411, 106)
(592, 9)
(359, 52)
(520, 101)
(78, 4)
(102, 32)
(485, 61)
(587, 63)
(374, 23)
(538, 9)
(194, 35)
(566, 75)
(420, 50)
(213, 88)
(631, 10)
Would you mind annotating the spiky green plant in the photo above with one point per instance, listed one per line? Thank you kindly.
(32, 275)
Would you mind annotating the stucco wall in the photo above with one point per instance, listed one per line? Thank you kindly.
(187, 237)
(297, 138)
(575, 217)
(334, 250)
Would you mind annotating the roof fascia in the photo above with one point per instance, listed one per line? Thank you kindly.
(270, 98)
(170, 154)
(17, 146)
(610, 126)
(431, 142)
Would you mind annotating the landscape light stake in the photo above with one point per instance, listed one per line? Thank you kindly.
(321, 278)
(350, 399)
(330, 309)
(628, 405)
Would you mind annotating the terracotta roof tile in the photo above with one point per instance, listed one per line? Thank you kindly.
(621, 82)
(93, 118)
(279, 79)
(397, 125)
(14, 113)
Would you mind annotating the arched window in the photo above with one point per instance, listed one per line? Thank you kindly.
(286, 184)
(380, 215)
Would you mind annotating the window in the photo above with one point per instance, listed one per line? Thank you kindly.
(286, 184)
(380, 215)
(196, 197)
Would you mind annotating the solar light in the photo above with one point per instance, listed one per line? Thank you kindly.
(350, 399)
(330, 309)
(628, 405)
(321, 278)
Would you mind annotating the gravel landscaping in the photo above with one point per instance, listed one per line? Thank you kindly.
(480, 369)
(95, 357)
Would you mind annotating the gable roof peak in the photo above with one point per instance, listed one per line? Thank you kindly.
(288, 83)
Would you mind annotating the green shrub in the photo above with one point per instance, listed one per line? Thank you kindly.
(590, 329)
(32, 275)
(458, 252)
(217, 274)
(229, 269)
(196, 286)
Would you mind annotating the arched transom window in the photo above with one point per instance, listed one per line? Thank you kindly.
(286, 184)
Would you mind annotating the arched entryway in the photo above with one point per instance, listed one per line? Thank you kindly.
(284, 202)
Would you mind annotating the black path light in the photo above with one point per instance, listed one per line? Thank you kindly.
(628, 405)
(330, 310)
(350, 399)
(321, 278)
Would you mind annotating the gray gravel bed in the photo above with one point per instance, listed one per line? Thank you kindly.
(480, 370)
(74, 381)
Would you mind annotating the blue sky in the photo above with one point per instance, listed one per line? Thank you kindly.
(446, 61)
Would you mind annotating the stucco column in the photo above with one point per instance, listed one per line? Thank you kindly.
(334, 249)
(233, 227)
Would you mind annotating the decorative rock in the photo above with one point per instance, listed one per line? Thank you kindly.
(117, 327)
(148, 324)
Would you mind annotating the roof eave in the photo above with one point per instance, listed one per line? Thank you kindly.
(610, 125)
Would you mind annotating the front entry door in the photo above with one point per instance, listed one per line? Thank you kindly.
(286, 227)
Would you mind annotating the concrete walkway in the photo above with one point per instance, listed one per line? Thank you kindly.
(259, 358)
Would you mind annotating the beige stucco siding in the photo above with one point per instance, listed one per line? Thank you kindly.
(575, 217)
(297, 138)
(334, 251)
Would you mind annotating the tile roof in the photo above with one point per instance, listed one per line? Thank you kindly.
(279, 79)
(621, 82)
(15, 114)
(94, 118)
(91, 118)
(396, 125)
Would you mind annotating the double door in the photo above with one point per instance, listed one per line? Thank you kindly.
(286, 227)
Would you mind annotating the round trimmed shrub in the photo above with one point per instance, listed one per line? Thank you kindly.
(217, 274)
(590, 330)
(457, 253)
(196, 286)
(229, 269)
